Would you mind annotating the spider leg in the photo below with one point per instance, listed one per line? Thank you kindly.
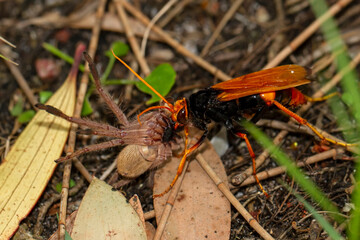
(92, 148)
(96, 128)
(104, 95)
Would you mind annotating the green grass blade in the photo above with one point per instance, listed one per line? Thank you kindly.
(282, 159)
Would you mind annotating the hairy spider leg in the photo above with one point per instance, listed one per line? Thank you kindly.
(105, 96)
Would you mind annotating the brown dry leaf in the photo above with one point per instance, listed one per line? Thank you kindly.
(136, 205)
(26, 170)
(105, 214)
(200, 210)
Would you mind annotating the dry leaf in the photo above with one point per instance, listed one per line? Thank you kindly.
(26, 170)
(105, 214)
(200, 210)
(136, 205)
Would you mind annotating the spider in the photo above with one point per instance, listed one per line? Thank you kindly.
(154, 130)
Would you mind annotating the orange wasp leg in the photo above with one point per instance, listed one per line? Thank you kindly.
(183, 159)
(310, 99)
(252, 155)
(304, 122)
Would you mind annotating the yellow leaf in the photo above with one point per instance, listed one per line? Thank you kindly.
(26, 170)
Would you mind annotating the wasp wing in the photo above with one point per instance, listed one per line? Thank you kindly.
(268, 80)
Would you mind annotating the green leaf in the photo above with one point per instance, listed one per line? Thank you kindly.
(86, 109)
(161, 79)
(44, 96)
(58, 187)
(26, 116)
(18, 108)
(120, 49)
(72, 183)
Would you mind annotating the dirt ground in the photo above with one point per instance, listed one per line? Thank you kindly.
(252, 37)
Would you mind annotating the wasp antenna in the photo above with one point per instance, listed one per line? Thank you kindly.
(142, 80)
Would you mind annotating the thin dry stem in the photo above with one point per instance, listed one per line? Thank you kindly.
(7, 42)
(333, 153)
(176, 45)
(72, 137)
(131, 38)
(162, 11)
(173, 13)
(19, 77)
(108, 170)
(307, 33)
(149, 215)
(228, 15)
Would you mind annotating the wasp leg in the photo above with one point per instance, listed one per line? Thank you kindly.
(306, 123)
(183, 159)
(252, 155)
(320, 99)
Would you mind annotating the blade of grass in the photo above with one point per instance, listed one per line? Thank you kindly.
(57, 52)
(351, 97)
(282, 159)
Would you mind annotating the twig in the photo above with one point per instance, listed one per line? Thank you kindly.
(7, 42)
(173, 13)
(54, 198)
(232, 199)
(82, 169)
(233, 8)
(279, 39)
(170, 204)
(333, 153)
(307, 33)
(108, 170)
(72, 137)
(19, 78)
(131, 38)
(176, 45)
(149, 215)
(162, 11)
